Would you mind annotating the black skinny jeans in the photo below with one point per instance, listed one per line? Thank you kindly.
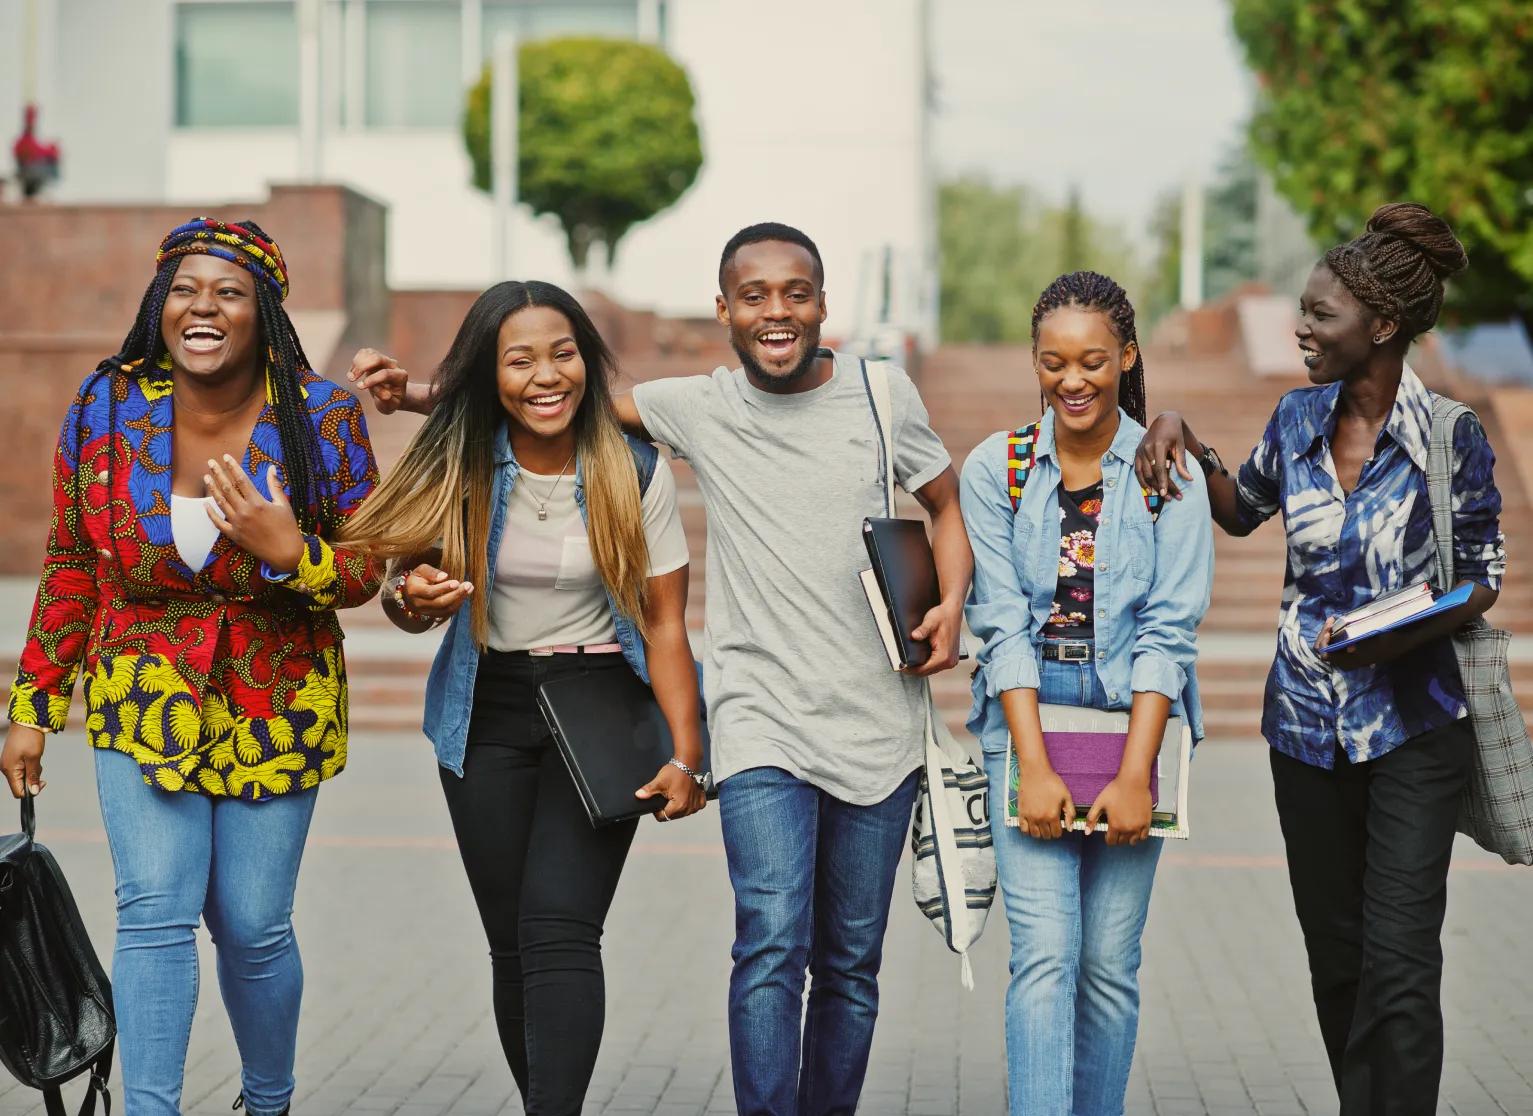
(1368, 849)
(542, 876)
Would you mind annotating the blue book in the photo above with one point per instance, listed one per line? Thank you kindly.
(1428, 609)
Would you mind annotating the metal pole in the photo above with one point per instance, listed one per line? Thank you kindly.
(1192, 244)
(308, 91)
(472, 43)
(503, 140)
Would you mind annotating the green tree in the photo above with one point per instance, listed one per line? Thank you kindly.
(1001, 245)
(1368, 101)
(607, 137)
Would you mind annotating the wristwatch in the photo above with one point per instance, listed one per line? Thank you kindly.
(696, 776)
(1211, 462)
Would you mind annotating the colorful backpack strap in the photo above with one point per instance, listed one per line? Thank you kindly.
(1022, 455)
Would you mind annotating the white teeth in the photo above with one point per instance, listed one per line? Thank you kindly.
(204, 331)
(777, 336)
(547, 400)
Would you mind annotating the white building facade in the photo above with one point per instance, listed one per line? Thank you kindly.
(816, 115)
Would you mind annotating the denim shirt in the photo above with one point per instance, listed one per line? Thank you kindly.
(1345, 549)
(1152, 579)
(450, 687)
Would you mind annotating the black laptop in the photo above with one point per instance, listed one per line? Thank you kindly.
(613, 737)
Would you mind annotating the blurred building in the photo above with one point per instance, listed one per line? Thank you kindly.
(821, 122)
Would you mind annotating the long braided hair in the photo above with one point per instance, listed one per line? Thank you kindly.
(247, 245)
(1397, 267)
(1090, 290)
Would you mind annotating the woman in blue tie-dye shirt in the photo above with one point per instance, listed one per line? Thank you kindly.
(1371, 746)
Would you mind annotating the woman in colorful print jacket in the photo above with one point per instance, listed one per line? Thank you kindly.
(187, 577)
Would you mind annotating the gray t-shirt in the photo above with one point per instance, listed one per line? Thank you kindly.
(795, 673)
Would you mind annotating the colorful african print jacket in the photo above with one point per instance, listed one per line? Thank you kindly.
(227, 680)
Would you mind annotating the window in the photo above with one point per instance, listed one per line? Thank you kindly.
(236, 65)
(414, 63)
(545, 19)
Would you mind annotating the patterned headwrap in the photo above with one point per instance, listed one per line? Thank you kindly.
(235, 243)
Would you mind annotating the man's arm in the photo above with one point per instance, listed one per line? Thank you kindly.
(628, 417)
(955, 566)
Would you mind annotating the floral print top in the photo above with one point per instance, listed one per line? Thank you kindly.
(225, 681)
(1079, 513)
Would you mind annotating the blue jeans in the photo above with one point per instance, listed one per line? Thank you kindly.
(1076, 909)
(812, 877)
(179, 857)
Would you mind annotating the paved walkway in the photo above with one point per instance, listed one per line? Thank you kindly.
(396, 1018)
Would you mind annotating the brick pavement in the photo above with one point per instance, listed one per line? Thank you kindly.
(396, 1017)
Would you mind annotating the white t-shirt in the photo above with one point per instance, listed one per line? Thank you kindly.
(191, 529)
(547, 592)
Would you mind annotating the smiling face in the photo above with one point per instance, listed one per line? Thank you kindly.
(540, 374)
(210, 323)
(1335, 330)
(1079, 362)
(773, 304)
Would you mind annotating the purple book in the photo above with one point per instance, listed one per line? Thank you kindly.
(1087, 761)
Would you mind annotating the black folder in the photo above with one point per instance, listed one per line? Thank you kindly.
(907, 576)
(613, 737)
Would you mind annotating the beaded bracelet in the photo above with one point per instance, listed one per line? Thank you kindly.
(397, 591)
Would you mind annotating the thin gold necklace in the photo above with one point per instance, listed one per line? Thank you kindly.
(543, 503)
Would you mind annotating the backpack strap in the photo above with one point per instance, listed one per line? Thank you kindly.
(1022, 455)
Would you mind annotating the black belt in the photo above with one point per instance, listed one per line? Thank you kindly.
(1068, 650)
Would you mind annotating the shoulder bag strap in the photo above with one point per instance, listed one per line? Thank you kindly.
(1445, 416)
(875, 377)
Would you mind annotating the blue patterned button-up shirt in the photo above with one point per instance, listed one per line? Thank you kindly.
(1345, 550)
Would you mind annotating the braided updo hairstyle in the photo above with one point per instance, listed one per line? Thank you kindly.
(1090, 290)
(1397, 267)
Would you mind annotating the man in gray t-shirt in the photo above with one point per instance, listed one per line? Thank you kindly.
(816, 742)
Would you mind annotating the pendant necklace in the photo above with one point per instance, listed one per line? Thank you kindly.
(543, 503)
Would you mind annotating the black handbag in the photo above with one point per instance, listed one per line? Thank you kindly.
(56, 1018)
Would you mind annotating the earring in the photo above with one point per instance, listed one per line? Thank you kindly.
(1378, 340)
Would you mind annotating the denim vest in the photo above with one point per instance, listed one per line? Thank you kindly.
(450, 687)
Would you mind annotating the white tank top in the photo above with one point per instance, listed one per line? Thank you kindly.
(192, 530)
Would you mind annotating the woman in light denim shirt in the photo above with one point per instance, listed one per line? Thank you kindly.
(1081, 597)
(545, 575)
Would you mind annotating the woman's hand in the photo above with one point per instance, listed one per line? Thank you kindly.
(381, 377)
(680, 791)
(1370, 652)
(1127, 804)
(262, 527)
(21, 759)
(1044, 807)
(1165, 441)
(429, 592)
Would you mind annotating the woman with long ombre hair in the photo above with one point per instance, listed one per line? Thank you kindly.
(521, 499)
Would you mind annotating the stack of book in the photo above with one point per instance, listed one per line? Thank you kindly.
(1394, 611)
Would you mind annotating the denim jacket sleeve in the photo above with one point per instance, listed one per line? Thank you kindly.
(997, 610)
(1165, 636)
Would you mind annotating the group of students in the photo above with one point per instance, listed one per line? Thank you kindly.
(215, 502)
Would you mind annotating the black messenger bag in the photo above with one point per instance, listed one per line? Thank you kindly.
(55, 1001)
